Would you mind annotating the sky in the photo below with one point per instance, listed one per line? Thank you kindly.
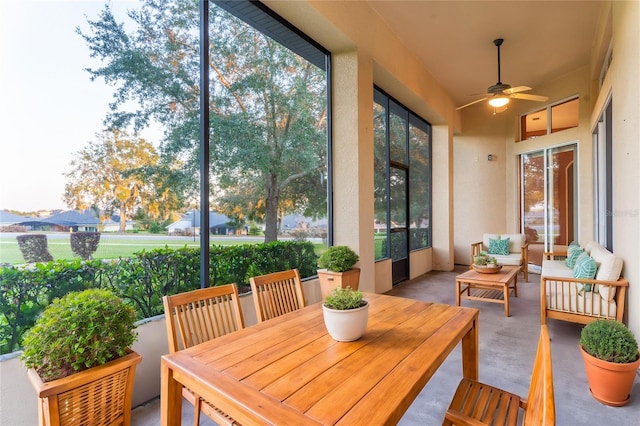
(50, 108)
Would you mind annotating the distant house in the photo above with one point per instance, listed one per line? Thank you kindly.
(190, 224)
(68, 221)
(8, 219)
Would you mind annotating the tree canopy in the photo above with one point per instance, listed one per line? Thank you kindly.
(267, 107)
(113, 174)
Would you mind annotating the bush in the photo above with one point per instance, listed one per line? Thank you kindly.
(338, 259)
(84, 244)
(34, 248)
(140, 281)
(610, 341)
(102, 326)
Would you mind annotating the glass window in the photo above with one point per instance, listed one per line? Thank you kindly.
(419, 183)
(402, 173)
(564, 115)
(534, 124)
(381, 231)
(554, 118)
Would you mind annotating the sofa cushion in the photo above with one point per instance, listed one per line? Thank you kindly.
(512, 259)
(516, 241)
(555, 268)
(585, 268)
(590, 245)
(500, 247)
(609, 269)
(572, 255)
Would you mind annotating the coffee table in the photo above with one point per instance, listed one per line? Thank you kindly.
(495, 288)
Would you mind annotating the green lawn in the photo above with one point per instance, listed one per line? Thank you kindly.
(113, 245)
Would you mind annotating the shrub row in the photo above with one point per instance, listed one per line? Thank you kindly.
(141, 280)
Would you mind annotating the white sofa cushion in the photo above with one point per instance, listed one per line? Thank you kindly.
(512, 259)
(516, 241)
(609, 269)
(556, 268)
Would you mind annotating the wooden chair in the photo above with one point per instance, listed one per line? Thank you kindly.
(198, 316)
(277, 293)
(476, 403)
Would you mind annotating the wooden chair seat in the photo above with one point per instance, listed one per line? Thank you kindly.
(476, 403)
(198, 316)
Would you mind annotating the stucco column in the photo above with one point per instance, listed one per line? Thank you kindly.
(353, 159)
(442, 195)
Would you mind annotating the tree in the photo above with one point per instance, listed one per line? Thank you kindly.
(267, 113)
(113, 173)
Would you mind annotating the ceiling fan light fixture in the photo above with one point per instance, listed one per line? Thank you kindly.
(498, 102)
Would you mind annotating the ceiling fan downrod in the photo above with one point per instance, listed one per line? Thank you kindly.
(498, 43)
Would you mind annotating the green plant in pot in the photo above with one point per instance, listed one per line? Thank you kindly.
(336, 269)
(345, 313)
(82, 341)
(611, 358)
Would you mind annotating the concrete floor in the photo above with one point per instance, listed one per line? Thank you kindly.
(506, 347)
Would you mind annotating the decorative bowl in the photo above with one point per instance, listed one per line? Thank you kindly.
(486, 269)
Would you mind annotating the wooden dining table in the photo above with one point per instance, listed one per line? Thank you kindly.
(289, 371)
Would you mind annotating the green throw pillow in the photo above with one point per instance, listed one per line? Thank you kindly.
(572, 255)
(500, 247)
(585, 268)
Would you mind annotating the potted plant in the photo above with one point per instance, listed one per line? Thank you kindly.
(485, 263)
(79, 359)
(611, 359)
(336, 269)
(345, 314)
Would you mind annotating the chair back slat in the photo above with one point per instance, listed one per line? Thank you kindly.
(197, 316)
(277, 294)
(540, 403)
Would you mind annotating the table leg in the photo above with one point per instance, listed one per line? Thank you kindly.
(457, 293)
(470, 352)
(170, 397)
(515, 286)
(506, 300)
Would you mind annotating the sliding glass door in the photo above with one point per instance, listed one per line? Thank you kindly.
(549, 196)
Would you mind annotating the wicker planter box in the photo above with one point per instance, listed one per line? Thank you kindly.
(100, 395)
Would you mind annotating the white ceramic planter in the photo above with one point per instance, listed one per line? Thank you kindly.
(348, 325)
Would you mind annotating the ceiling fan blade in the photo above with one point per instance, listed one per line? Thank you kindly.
(516, 90)
(529, 97)
(471, 103)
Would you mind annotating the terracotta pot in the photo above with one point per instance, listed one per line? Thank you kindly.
(330, 280)
(609, 382)
(346, 325)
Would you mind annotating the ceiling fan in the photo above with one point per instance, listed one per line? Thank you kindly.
(500, 93)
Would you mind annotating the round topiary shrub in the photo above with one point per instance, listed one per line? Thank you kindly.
(338, 259)
(78, 331)
(610, 341)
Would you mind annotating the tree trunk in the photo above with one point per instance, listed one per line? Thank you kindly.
(123, 218)
(271, 210)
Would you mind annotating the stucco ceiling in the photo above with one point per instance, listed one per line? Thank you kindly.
(543, 40)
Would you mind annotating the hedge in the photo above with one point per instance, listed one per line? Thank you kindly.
(141, 280)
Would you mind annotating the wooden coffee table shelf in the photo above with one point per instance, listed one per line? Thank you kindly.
(495, 288)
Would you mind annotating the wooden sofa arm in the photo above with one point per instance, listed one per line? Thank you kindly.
(556, 254)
